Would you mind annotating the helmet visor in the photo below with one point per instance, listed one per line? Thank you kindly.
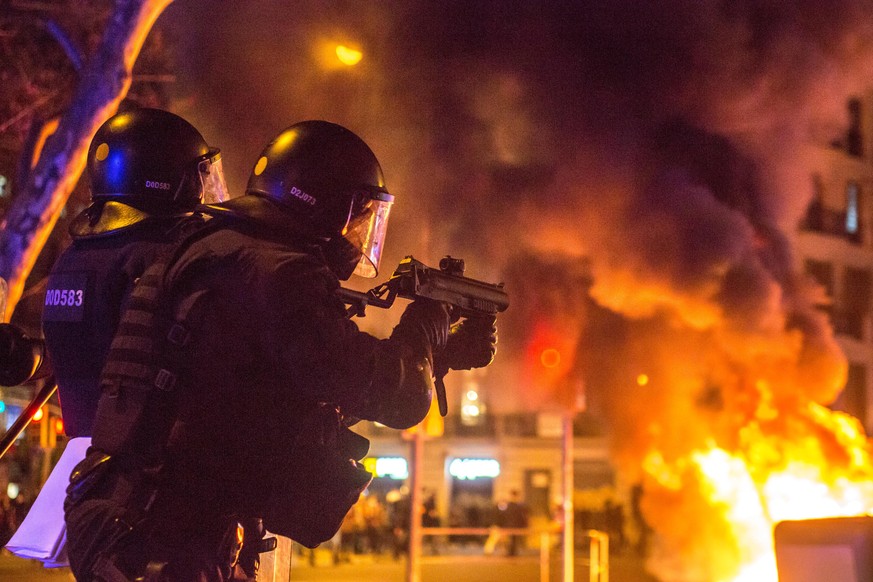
(211, 173)
(365, 230)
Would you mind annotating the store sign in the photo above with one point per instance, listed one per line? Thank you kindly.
(390, 467)
(474, 468)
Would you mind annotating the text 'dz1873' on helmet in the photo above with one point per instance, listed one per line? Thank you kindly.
(329, 180)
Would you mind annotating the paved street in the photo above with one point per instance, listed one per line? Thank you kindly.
(14, 569)
(383, 569)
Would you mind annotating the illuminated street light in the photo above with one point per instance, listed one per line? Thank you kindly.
(472, 407)
(348, 56)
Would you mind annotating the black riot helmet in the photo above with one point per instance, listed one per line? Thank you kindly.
(330, 184)
(155, 161)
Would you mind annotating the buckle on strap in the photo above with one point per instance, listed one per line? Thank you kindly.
(165, 380)
(178, 335)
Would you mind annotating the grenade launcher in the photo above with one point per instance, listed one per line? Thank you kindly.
(413, 280)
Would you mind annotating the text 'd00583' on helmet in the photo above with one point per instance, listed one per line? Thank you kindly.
(154, 160)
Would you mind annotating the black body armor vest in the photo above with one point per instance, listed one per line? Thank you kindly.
(86, 293)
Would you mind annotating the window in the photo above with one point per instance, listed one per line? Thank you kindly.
(854, 305)
(823, 273)
(854, 142)
(593, 474)
(815, 211)
(852, 220)
(853, 398)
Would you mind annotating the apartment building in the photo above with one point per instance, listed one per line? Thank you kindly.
(834, 244)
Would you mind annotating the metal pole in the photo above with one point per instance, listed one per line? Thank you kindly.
(545, 545)
(567, 458)
(413, 563)
(27, 415)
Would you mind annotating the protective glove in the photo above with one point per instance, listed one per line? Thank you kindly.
(471, 344)
(424, 326)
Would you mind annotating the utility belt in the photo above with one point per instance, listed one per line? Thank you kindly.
(234, 556)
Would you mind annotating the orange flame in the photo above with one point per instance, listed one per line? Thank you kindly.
(771, 477)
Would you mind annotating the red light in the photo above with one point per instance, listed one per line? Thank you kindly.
(37, 416)
(550, 358)
(59, 425)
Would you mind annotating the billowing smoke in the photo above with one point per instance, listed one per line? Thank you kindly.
(632, 170)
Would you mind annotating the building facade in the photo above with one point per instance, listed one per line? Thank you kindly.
(470, 467)
(834, 245)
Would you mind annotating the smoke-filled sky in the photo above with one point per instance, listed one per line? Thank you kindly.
(656, 152)
(662, 139)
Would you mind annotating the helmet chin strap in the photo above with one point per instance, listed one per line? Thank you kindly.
(341, 256)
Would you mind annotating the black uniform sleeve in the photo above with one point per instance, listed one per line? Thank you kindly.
(331, 360)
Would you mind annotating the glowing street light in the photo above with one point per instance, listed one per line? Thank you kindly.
(347, 55)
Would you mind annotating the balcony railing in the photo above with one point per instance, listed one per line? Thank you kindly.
(828, 221)
(849, 323)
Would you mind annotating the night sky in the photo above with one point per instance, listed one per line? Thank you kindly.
(488, 116)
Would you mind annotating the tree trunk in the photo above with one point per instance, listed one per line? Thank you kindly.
(104, 83)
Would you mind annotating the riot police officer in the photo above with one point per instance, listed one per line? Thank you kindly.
(253, 353)
(148, 169)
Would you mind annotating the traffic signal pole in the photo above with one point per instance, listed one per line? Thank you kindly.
(413, 562)
(567, 461)
(42, 396)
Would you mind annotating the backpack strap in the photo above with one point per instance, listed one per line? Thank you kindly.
(147, 361)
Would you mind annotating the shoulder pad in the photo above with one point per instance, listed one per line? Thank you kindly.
(106, 218)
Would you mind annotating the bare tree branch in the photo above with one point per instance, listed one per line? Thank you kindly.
(104, 83)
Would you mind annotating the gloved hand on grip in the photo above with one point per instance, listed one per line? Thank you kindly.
(471, 344)
(424, 326)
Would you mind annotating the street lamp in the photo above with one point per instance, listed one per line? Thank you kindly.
(347, 55)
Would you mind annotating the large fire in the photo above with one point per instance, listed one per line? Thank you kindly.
(821, 468)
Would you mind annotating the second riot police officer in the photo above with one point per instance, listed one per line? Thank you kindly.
(148, 170)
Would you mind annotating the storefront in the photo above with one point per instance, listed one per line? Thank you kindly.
(472, 491)
(389, 474)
